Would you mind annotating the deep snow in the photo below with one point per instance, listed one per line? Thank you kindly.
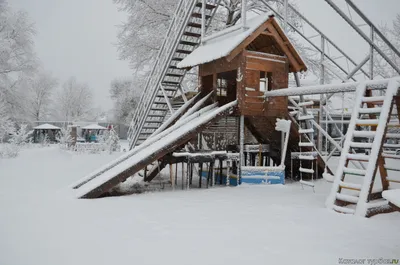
(42, 223)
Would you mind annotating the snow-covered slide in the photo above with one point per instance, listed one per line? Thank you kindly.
(180, 112)
(154, 148)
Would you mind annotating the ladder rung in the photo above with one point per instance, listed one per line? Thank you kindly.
(391, 168)
(306, 144)
(307, 183)
(354, 171)
(306, 170)
(305, 157)
(361, 145)
(391, 179)
(156, 115)
(177, 59)
(367, 122)
(160, 102)
(306, 103)
(358, 157)
(369, 110)
(345, 210)
(159, 109)
(391, 156)
(305, 117)
(346, 198)
(374, 100)
(391, 146)
(392, 136)
(350, 186)
(151, 127)
(306, 130)
(364, 134)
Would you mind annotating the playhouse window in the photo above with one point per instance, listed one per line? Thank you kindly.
(265, 81)
(222, 87)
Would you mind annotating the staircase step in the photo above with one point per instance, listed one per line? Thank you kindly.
(177, 59)
(159, 109)
(350, 186)
(347, 198)
(192, 34)
(190, 43)
(369, 110)
(183, 51)
(160, 102)
(156, 115)
(306, 103)
(174, 75)
(345, 210)
(354, 171)
(194, 25)
(373, 100)
(305, 117)
(151, 127)
(364, 134)
(307, 183)
(358, 157)
(306, 170)
(305, 157)
(208, 6)
(306, 144)
(394, 146)
(306, 130)
(292, 113)
(198, 15)
(361, 145)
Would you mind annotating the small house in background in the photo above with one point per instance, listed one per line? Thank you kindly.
(43, 131)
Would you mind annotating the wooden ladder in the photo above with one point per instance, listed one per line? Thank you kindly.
(353, 188)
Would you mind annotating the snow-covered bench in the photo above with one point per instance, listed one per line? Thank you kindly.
(393, 196)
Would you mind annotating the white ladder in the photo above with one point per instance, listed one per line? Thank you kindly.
(165, 78)
(352, 187)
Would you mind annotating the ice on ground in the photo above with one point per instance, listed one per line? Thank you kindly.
(41, 222)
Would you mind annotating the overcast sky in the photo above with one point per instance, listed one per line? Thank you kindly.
(77, 37)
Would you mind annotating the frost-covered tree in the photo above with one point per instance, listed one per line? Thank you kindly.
(17, 57)
(112, 141)
(64, 138)
(73, 101)
(6, 124)
(125, 96)
(40, 90)
(392, 33)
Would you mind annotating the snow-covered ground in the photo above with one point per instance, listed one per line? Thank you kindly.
(42, 223)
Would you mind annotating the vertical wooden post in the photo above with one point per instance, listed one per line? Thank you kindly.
(176, 174)
(241, 161)
(183, 176)
(188, 175)
(200, 174)
(220, 172)
(171, 176)
(228, 172)
(191, 174)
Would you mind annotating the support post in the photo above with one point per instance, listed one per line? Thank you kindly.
(321, 81)
(241, 161)
(244, 16)
(171, 176)
(203, 20)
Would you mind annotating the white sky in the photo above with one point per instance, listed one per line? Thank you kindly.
(77, 37)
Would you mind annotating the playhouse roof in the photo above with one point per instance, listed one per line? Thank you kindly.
(94, 127)
(231, 41)
(46, 126)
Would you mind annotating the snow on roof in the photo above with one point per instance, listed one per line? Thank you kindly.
(47, 126)
(94, 127)
(222, 43)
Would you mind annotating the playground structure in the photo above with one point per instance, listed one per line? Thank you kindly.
(243, 73)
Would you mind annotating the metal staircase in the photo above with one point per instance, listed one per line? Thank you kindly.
(353, 190)
(165, 79)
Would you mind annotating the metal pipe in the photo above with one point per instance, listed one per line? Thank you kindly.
(310, 42)
(373, 27)
(203, 20)
(363, 35)
(329, 88)
(244, 15)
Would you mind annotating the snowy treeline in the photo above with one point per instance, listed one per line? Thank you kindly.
(28, 92)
